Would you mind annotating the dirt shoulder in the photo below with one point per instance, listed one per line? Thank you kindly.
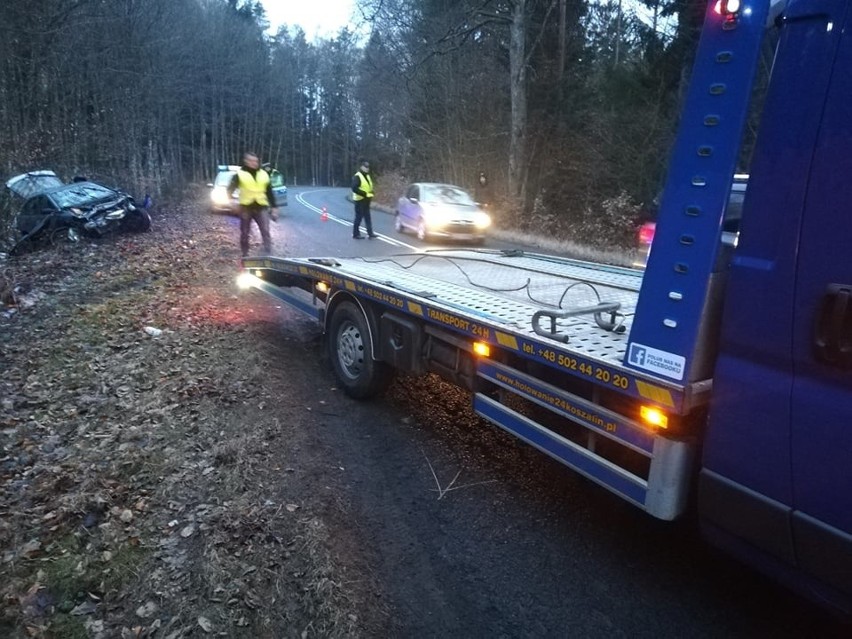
(163, 483)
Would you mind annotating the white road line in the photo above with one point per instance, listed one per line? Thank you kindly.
(333, 218)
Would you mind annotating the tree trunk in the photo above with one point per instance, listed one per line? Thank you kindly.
(518, 92)
(562, 42)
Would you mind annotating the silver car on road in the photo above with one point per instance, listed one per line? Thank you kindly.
(441, 210)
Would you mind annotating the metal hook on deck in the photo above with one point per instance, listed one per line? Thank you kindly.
(597, 310)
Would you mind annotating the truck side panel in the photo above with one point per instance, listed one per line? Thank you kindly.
(822, 344)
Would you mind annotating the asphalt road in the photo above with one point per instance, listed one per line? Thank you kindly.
(302, 230)
(521, 546)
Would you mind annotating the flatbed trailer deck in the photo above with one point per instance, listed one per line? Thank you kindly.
(496, 296)
(555, 331)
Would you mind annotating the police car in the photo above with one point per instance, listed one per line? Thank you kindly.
(220, 202)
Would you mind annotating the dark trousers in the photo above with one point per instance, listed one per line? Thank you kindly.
(259, 214)
(362, 214)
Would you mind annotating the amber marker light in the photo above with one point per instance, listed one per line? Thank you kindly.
(482, 349)
(654, 417)
(245, 280)
(322, 287)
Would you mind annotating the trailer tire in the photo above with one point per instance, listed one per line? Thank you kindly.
(350, 348)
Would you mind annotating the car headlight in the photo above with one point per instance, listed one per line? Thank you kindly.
(117, 214)
(77, 212)
(220, 196)
(435, 217)
(482, 220)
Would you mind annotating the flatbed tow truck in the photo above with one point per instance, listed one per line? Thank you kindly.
(720, 374)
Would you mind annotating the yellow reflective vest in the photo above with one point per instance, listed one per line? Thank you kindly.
(253, 188)
(366, 186)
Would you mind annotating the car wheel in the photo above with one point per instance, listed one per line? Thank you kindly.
(397, 224)
(138, 221)
(422, 233)
(63, 236)
(351, 347)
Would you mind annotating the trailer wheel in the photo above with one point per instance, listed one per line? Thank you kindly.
(350, 348)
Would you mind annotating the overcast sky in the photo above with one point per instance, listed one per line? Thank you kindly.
(322, 18)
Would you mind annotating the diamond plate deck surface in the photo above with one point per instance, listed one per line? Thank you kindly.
(507, 290)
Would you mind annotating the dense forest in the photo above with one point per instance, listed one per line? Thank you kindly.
(568, 105)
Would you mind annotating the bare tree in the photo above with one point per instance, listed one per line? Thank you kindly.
(562, 103)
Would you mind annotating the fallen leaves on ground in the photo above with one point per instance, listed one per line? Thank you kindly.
(139, 490)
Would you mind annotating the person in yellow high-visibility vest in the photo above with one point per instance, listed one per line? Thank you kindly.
(362, 195)
(256, 199)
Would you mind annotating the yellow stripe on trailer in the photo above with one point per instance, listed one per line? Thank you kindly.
(509, 341)
(350, 286)
(655, 393)
(414, 307)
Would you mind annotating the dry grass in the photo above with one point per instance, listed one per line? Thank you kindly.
(565, 247)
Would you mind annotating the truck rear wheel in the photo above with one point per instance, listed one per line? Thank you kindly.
(351, 347)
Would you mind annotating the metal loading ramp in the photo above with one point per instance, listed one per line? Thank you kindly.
(506, 289)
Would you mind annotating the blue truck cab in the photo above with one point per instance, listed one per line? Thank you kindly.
(775, 482)
(721, 375)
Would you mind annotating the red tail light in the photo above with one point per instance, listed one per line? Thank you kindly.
(727, 7)
(729, 10)
(646, 232)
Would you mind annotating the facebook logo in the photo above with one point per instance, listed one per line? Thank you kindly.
(658, 362)
(637, 355)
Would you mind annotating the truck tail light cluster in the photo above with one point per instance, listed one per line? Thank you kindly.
(728, 9)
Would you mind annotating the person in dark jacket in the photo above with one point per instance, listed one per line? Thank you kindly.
(256, 198)
(362, 195)
(482, 193)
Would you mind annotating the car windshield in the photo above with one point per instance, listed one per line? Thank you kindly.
(445, 194)
(80, 194)
(224, 178)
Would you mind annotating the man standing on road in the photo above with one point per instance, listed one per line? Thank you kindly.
(483, 191)
(362, 195)
(256, 197)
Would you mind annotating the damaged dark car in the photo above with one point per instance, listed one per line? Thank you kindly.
(58, 212)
